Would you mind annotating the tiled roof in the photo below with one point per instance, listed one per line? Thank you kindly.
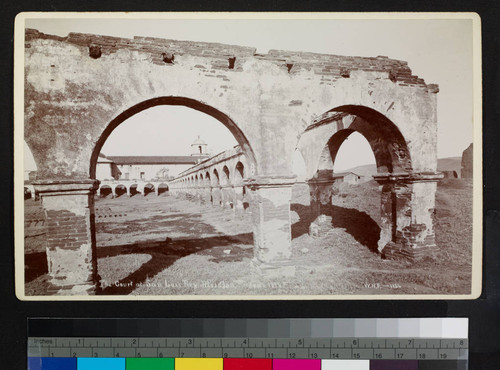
(103, 160)
(172, 159)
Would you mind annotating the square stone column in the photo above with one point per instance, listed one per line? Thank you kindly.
(203, 194)
(270, 208)
(71, 245)
(217, 196)
(196, 193)
(407, 215)
(321, 193)
(238, 200)
(226, 196)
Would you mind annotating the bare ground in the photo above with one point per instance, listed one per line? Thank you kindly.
(163, 245)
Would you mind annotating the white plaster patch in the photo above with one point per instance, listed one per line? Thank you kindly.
(74, 265)
(278, 196)
(77, 204)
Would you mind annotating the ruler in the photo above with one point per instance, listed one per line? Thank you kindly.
(279, 348)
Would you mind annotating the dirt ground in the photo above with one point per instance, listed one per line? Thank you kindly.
(164, 245)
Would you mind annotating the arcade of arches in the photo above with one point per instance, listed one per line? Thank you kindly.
(273, 104)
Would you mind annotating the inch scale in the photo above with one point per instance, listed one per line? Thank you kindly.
(249, 347)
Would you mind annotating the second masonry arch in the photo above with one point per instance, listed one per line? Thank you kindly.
(407, 198)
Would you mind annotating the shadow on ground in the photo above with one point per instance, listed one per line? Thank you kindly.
(164, 254)
(358, 224)
(35, 265)
(187, 223)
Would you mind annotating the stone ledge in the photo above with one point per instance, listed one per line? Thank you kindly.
(65, 185)
(404, 177)
(271, 181)
(324, 180)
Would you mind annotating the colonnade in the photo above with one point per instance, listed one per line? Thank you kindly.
(218, 181)
(131, 187)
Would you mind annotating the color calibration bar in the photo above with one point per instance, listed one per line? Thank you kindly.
(253, 328)
(236, 364)
(227, 344)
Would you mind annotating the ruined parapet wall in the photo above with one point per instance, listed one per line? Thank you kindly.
(334, 67)
(331, 67)
(154, 46)
(80, 83)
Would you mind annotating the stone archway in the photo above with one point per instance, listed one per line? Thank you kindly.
(407, 196)
(75, 267)
(162, 188)
(74, 98)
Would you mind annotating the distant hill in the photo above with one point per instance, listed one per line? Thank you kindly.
(450, 164)
(444, 164)
(364, 170)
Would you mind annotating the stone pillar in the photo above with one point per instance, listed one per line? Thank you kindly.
(272, 235)
(238, 200)
(198, 194)
(140, 189)
(71, 245)
(216, 196)
(407, 215)
(157, 190)
(113, 192)
(231, 197)
(321, 192)
(207, 195)
(222, 196)
(129, 194)
(226, 196)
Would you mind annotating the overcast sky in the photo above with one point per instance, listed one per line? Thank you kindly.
(438, 50)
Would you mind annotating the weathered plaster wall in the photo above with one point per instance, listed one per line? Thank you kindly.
(270, 99)
(80, 87)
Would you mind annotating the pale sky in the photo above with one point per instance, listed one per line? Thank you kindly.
(438, 50)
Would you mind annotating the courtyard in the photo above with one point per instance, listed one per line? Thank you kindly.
(164, 245)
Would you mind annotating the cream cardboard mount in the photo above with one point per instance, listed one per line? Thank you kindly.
(72, 91)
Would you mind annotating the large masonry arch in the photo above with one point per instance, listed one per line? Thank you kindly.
(78, 88)
(407, 197)
(173, 101)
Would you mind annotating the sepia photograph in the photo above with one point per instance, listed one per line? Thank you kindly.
(247, 156)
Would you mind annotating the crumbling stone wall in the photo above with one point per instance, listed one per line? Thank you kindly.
(80, 87)
(261, 94)
(467, 163)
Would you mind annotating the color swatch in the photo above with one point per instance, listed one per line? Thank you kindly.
(199, 364)
(248, 364)
(100, 364)
(150, 364)
(51, 363)
(56, 363)
(345, 365)
(291, 364)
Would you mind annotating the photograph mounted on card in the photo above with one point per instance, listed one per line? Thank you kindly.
(195, 156)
